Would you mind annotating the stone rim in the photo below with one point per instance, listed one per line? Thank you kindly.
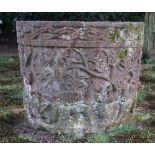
(74, 23)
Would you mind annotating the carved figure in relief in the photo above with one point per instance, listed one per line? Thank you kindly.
(83, 71)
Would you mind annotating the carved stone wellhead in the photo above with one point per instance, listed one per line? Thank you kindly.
(79, 77)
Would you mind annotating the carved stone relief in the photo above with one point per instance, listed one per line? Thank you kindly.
(78, 77)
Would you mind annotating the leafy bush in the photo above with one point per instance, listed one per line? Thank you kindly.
(9, 18)
(147, 61)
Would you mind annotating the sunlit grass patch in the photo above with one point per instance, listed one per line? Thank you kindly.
(11, 94)
(11, 99)
(99, 138)
(10, 87)
(141, 95)
(6, 110)
(140, 136)
(7, 80)
(18, 93)
(6, 59)
(142, 116)
(107, 136)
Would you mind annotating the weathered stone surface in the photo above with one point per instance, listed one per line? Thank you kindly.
(79, 77)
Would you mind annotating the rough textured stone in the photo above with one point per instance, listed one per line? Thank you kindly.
(79, 77)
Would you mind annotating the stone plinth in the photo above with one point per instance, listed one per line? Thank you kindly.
(79, 77)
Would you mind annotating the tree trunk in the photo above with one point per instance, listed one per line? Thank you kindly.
(149, 36)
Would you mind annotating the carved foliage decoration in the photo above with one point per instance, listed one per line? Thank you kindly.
(78, 77)
(95, 75)
(89, 73)
(65, 34)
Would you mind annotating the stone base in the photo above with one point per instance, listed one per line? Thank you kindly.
(77, 119)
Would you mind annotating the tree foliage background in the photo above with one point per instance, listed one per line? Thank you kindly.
(9, 18)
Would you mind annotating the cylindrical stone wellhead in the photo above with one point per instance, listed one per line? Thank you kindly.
(79, 77)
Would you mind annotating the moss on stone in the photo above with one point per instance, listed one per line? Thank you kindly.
(122, 54)
(129, 27)
(54, 114)
(115, 35)
(138, 29)
(117, 32)
(138, 38)
(122, 40)
(134, 103)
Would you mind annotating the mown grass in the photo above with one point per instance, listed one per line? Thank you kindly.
(126, 133)
(8, 119)
(10, 99)
(108, 135)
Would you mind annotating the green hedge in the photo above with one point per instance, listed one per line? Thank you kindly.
(9, 18)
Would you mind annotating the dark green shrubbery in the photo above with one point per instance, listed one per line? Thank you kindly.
(9, 18)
